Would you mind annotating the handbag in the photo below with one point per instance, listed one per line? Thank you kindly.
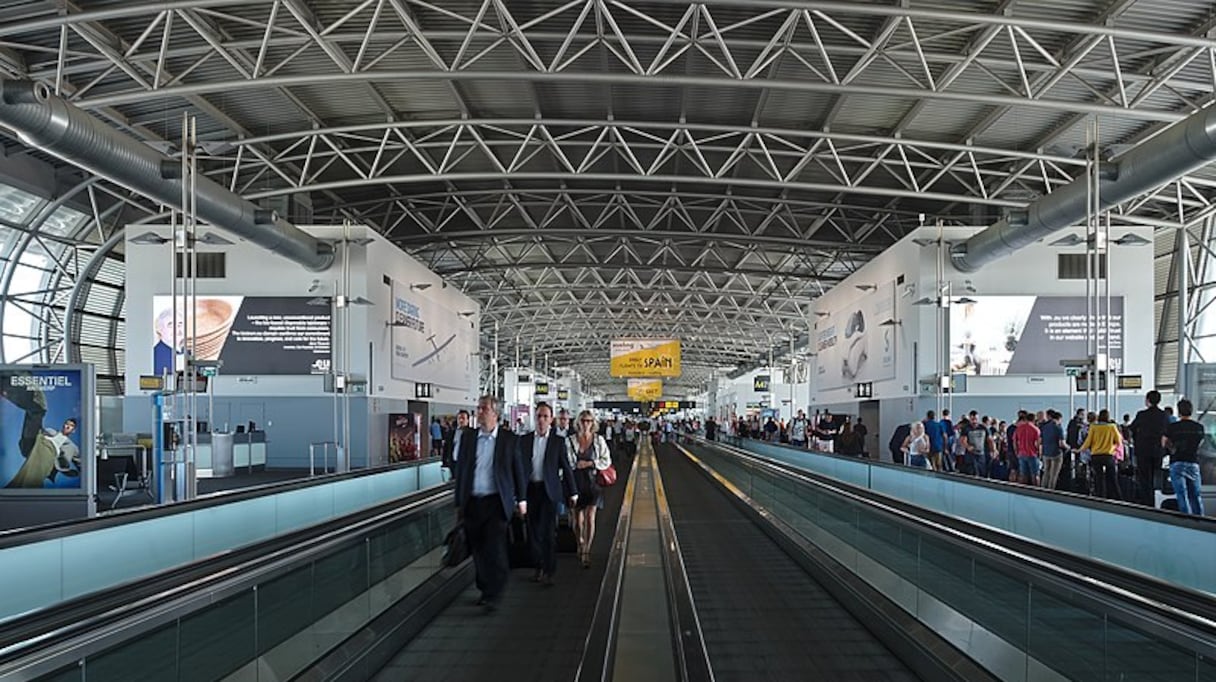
(606, 477)
(455, 547)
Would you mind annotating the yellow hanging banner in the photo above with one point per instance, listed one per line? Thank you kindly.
(645, 389)
(645, 358)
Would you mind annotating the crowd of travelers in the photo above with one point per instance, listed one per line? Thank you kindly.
(1090, 455)
(824, 431)
(534, 482)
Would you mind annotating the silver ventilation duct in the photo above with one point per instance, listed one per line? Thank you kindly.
(1183, 148)
(51, 124)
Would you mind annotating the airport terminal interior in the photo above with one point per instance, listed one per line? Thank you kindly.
(635, 340)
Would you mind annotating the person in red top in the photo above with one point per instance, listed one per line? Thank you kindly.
(1028, 445)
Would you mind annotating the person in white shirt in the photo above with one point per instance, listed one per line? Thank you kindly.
(550, 480)
(490, 486)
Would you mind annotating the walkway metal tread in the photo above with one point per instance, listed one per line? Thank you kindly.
(537, 633)
(762, 616)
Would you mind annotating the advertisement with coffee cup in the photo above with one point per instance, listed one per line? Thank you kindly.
(248, 334)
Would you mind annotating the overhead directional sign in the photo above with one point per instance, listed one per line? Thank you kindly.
(645, 358)
(645, 389)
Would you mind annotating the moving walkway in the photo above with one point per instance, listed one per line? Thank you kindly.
(709, 564)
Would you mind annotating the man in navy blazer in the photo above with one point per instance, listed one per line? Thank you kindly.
(490, 486)
(550, 480)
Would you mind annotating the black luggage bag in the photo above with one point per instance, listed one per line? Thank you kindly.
(519, 553)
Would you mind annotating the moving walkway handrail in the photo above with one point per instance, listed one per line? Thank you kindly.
(1171, 594)
(1205, 523)
(82, 626)
(24, 536)
(1201, 630)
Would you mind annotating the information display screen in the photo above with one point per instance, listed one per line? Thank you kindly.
(998, 335)
(248, 334)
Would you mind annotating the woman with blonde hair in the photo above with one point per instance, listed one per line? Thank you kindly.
(589, 454)
(917, 448)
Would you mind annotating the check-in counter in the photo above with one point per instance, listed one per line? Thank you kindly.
(248, 450)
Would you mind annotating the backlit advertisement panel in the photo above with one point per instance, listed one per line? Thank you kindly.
(999, 335)
(44, 414)
(248, 334)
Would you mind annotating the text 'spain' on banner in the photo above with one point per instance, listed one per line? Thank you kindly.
(998, 335)
(431, 343)
(853, 345)
(40, 427)
(645, 358)
(644, 389)
(248, 334)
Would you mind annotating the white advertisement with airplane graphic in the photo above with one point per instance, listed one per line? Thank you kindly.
(431, 344)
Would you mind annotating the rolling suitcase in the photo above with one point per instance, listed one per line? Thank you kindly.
(519, 553)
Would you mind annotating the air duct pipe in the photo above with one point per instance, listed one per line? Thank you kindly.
(1183, 148)
(51, 124)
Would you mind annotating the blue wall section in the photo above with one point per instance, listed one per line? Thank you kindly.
(290, 423)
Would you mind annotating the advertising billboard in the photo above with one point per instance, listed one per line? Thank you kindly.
(853, 345)
(404, 441)
(45, 427)
(999, 335)
(249, 334)
(761, 383)
(432, 343)
(644, 389)
(645, 358)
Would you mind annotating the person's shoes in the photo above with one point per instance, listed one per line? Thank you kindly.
(547, 581)
(489, 606)
(538, 577)
(481, 601)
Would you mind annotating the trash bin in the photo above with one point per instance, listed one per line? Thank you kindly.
(221, 455)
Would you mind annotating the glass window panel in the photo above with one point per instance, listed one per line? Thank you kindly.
(151, 658)
(284, 608)
(218, 640)
(17, 205)
(63, 222)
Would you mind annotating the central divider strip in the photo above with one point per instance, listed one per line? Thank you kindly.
(645, 637)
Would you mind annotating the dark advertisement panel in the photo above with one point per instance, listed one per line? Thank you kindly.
(999, 335)
(404, 440)
(248, 334)
(43, 429)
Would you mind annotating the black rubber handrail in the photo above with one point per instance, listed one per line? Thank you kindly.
(97, 610)
(1205, 523)
(53, 531)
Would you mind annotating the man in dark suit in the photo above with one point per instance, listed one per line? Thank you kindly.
(451, 444)
(490, 486)
(550, 479)
(1147, 429)
(897, 442)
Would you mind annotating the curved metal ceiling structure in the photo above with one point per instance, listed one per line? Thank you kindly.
(590, 168)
